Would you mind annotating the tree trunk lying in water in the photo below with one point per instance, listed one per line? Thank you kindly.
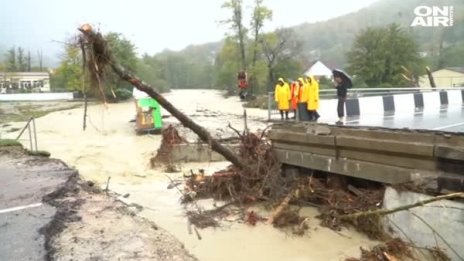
(98, 45)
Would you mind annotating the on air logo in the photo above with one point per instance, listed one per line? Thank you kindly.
(433, 16)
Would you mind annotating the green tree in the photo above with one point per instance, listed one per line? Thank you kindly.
(379, 53)
(68, 76)
(21, 60)
(11, 63)
(227, 65)
(150, 70)
(452, 56)
(124, 52)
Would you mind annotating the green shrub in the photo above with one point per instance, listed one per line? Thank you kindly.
(41, 153)
(9, 143)
(122, 94)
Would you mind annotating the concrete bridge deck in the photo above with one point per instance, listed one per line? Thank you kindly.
(378, 154)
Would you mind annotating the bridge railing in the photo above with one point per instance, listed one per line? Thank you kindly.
(326, 94)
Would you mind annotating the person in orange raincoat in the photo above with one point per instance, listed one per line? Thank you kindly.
(294, 93)
(302, 99)
(282, 97)
(313, 98)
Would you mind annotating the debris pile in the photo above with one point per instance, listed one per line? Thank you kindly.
(266, 183)
(170, 137)
(332, 202)
(242, 185)
(396, 249)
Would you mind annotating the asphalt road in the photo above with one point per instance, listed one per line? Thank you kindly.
(22, 213)
(450, 119)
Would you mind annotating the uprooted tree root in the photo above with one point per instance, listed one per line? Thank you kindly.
(170, 137)
(397, 249)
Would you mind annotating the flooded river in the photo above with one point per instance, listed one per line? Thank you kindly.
(109, 148)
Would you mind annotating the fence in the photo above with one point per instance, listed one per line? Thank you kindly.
(356, 96)
(32, 134)
(44, 96)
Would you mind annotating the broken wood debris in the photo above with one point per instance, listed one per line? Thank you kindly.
(397, 249)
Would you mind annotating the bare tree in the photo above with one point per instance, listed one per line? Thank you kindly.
(260, 15)
(40, 59)
(11, 63)
(21, 60)
(279, 45)
(236, 23)
(29, 61)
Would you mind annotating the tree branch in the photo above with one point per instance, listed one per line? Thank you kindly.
(384, 212)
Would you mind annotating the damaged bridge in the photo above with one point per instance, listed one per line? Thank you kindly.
(382, 155)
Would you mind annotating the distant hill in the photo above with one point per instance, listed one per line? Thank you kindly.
(330, 40)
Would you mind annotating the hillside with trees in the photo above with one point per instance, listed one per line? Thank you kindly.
(286, 52)
(330, 41)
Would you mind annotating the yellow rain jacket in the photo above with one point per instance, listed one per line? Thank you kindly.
(282, 95)
(313, 94)
(303, 96)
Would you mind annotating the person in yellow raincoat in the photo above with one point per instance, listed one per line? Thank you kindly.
(282, 97)
(313, 98)
(302, 96)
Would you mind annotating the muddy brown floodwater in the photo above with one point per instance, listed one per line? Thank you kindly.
(110, 148)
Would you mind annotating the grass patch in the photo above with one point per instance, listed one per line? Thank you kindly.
(32, 111)
(40, 153)
(260, 102)
(9, 143)
(13, 129)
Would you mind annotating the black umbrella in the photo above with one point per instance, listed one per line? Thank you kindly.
(345, 77)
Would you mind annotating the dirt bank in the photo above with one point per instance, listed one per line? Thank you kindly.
(86, 224)
(89, 225)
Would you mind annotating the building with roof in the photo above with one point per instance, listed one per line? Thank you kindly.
(319, 69)
(446, 77)
(21, 82)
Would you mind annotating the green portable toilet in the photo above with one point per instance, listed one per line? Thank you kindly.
(155, 111)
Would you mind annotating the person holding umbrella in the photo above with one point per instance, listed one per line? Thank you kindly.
(342, 82)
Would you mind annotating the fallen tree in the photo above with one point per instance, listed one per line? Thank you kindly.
(97, 57)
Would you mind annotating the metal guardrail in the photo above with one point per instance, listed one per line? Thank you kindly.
(363, 92)
(383, 155)
(32, 134)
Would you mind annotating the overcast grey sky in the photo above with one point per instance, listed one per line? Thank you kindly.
(152, 25)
